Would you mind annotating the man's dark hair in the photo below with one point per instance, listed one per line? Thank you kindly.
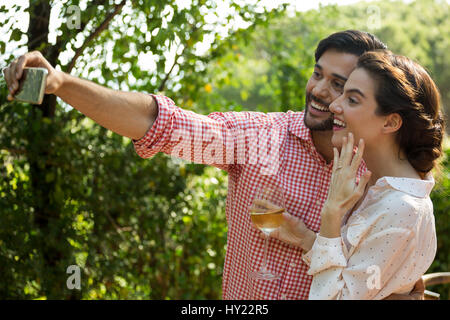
(349, 41)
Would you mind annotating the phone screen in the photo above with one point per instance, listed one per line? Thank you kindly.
(32, 85)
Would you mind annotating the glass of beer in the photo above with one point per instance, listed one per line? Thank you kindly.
(266, 213)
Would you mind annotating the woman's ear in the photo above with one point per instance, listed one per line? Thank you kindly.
(393, 123)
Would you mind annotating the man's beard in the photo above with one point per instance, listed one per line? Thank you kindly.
(324, 125)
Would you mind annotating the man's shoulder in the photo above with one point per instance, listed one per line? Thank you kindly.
(260, 119)
(296, 125)
(288, 118)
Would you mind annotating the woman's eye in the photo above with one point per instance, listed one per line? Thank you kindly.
(351, 100)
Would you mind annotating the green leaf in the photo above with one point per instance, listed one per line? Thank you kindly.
(16, 35)
(49, 177)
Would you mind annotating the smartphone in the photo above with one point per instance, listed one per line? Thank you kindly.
(32, 85)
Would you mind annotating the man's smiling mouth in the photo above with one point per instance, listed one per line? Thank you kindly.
(319, 107)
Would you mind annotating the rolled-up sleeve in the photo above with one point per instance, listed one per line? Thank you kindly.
(154, 140)
(221, 139)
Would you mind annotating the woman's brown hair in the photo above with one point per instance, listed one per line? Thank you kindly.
(405, 88)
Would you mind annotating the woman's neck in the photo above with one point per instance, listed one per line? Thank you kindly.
(387, 160)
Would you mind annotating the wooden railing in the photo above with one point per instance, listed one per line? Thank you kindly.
(431, 279)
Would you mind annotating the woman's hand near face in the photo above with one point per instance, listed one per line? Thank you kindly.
(343, 193)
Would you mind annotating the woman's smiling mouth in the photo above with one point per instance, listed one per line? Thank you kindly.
(338, 124)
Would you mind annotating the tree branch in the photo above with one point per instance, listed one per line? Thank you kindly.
(163, 83)
(15, 151)
(60, 43)
(94, 34)
(118, 229)
(175, 62)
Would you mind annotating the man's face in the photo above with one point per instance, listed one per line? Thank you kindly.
(325, 85)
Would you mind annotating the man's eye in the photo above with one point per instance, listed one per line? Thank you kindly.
(316, 74)
(338, 85)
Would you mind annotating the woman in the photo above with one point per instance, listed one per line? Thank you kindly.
(377, 237)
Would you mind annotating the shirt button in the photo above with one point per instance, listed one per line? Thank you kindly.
(318, 201)
(293, 264)
(283, 297)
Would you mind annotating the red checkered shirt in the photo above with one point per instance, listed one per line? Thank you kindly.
(254, 148)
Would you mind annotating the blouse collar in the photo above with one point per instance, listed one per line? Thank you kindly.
(415, 187)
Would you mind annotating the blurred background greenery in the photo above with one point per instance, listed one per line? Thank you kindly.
(72, 192)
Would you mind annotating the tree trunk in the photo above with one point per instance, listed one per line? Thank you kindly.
(55, 251)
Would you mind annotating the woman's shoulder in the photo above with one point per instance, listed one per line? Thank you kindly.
(405, 214)
(396, 212)
(403, 193)
(397, 202)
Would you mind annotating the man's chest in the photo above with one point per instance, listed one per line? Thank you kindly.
(306, 179)
(303, 177)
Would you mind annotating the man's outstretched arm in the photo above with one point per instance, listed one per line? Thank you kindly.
(129, 114)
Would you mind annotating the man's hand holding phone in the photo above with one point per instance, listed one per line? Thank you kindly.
(128, 114)
(16, 71)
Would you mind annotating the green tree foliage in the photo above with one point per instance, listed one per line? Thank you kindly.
(72, 192)
(274, 64)
(441, 202)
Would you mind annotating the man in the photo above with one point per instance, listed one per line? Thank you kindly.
(296, 154)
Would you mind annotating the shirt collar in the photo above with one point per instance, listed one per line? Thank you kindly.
(415, 187)
(297, 126)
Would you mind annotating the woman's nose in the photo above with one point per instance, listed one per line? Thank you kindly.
(335, 107)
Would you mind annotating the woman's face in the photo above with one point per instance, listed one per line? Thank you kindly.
(354, 110)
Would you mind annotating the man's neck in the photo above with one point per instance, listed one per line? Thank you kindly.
(322, 143)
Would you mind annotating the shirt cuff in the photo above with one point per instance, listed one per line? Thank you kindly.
(306, 256)
(325, 253)
(149, 145)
